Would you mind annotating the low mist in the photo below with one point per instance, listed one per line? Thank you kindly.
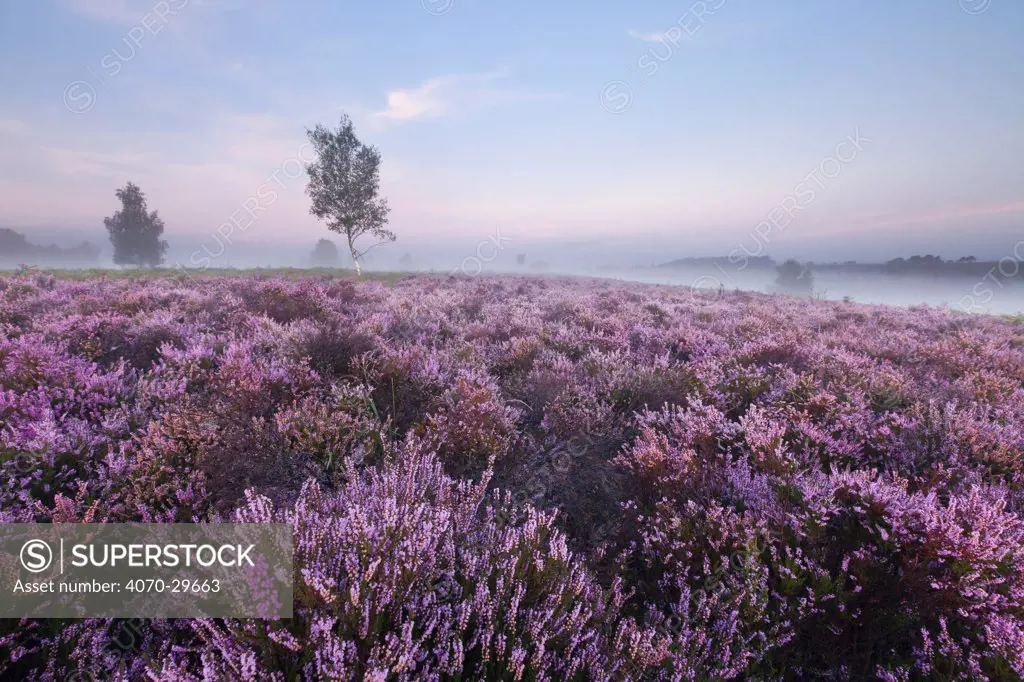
(993, 287)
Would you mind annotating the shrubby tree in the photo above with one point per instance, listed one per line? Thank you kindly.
(134, 232)
(325, 254)
(344, 181)
(406, 260)
(793, 278)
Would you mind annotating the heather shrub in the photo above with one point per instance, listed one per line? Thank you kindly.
(776, 350)
(108, 339)
(550, 375)
(699, 574)
(331, 347)
(331, 428)
(472, 427)
(892, 572)
(286, 302)
(397, 576)
(653, 387)
(253, 381)
(159, 477)
(498, 478)
(404, 385)
(676, 453)
(89, 649)
(515, 358)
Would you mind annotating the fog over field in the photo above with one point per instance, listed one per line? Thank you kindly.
(998, 289)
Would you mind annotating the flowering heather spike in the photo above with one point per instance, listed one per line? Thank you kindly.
(730, 486)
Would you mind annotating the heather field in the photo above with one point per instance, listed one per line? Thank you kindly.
(497, 478)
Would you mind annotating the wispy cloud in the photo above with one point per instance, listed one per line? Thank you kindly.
(450, 95)
(687, 29)
(653, 37)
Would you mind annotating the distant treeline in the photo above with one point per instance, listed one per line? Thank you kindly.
(756, 262)
(967, 266)
(15, 249)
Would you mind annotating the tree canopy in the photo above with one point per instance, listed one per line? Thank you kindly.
(792, 277)
(344, 181)
(134, 232)
(325, 254)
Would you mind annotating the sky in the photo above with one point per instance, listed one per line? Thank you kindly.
(848, 129)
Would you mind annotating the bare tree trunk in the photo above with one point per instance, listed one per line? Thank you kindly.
(355, 257)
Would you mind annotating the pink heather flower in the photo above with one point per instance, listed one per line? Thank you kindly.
(530, 479)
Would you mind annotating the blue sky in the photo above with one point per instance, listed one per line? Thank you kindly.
(514, 114)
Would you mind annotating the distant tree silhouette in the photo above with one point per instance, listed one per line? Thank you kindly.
(86, 252)
(15, 247)
(928, 264)
(752, 262)
(521, 259)
(325, 254)
(406, 260)
(134, 232)
(13, 242)
(793, 278)
(344, 181)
